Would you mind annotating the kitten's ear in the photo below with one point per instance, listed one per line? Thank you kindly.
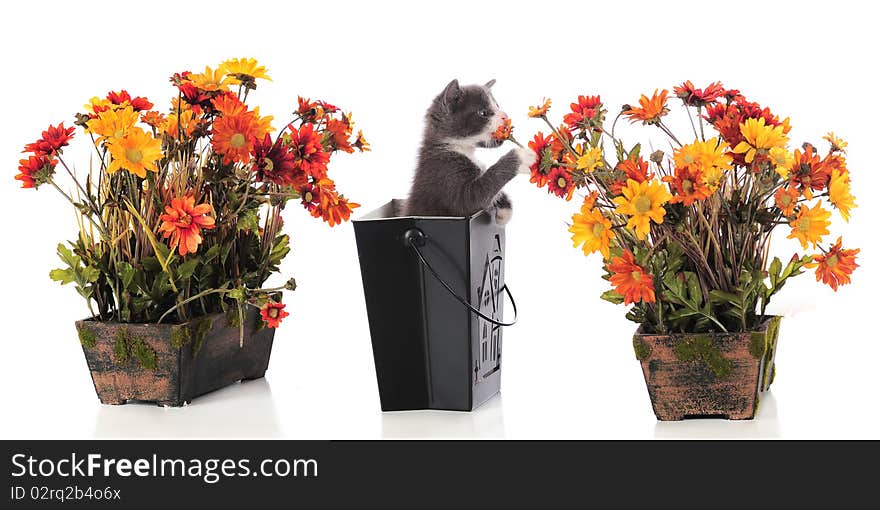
(489, 83)
(451, 94)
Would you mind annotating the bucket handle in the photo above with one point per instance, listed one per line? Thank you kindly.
(415, 238)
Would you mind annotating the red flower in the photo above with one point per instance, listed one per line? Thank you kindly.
(559, 183)
(698, 97)
(274, 163)
(53, 139)
(35, 170)
(630, 280)
(273, 313)
(539, 146)
(726, 119)
(139, 104)
(305, 145)
(191, 94)
(582, 112)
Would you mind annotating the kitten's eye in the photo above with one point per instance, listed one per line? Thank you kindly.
(484, 113)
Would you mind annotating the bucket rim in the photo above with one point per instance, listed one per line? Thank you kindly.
(380, 214)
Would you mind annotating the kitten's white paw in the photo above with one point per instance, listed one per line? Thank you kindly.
(502, 216)
(527, 158)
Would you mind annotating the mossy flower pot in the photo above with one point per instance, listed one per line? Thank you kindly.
(171, 364)
(708, 375)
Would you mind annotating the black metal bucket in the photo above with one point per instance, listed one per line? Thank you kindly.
(434, 292)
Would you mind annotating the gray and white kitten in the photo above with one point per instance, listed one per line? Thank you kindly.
(449, 181)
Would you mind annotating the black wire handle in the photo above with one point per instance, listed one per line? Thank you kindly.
(415, 238)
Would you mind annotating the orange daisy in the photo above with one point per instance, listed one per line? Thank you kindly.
(183, 221)
(340, 132)
(835, 266)
(504, 131)
(688, 185)
(540, 110)
(234, 137)
(786, 200)
(630, 280)
(650, 110)
(322, 201)
(305, 145)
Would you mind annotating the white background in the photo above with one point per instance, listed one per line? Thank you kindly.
(569, 368)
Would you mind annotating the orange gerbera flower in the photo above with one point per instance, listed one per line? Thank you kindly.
(786, 200)
(228, 104)
(183, 221)
(635, 169)
(322, 201)
(540, 110)
(273, 313)
(559, 183)
(274, 163)
(688, 185)
(154, 119)
(52, 140)
(234, 136)
(340, 132)
(630, 280)
(650, 110)
(808, 172)
(305, 145)
(835, 266)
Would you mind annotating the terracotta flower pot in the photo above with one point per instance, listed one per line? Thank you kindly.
(172, 364)
(708, 375)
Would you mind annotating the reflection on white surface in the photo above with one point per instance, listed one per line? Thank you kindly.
(485, 422)
(764, 426)
(242, 410)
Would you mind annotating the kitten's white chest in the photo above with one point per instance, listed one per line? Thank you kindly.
(467, 150)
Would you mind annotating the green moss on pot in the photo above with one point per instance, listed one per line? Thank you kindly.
(120, 347)
(642, 349)
(758, 344)
(702, 348)
(87, 337)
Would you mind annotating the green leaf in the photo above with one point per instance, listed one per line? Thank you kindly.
(612, 296)
(90, 275)
(248, 220)
(68, 256)
(212, 253)
(126, 274)
(186, 270)
(64, 276)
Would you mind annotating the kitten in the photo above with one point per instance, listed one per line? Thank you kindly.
(449, 181)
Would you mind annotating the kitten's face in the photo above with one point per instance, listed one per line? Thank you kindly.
(467, 114)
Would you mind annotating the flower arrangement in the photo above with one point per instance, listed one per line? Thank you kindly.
(180, 211)
(685, 237)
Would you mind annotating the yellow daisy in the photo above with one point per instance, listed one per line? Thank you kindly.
(782, 160)
(137, 152)
(591, 229)
(113, 123)
(759, 138)
(211, 80)
(242, 69)
(837, 145)
(710, 158)
(642, 202)
(590, 159)
(810, 225)
(840, 194)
